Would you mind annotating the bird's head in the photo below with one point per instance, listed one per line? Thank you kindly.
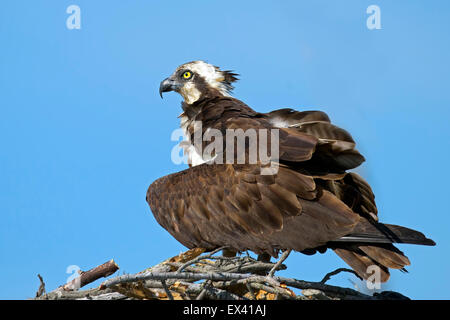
(198, 79)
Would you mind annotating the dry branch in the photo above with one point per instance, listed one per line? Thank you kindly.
(41, 289)
(194, 275)
(65, 291)
(101, 271)
(335, 272)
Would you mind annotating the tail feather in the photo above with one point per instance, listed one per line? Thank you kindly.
(370, 243)
(388, 256)
(361, 263)
(369, 232)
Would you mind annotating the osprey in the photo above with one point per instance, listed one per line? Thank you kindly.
(310, 203)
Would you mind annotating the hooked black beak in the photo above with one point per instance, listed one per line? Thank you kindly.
(167, 85)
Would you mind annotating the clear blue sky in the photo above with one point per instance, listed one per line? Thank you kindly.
(83, 131)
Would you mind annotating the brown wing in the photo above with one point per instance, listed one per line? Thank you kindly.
(289, 117)
(292, 145)
(232, 114)
(354, 191)
(230, 205)
(311, 203)
(335, 150)
(307, 139)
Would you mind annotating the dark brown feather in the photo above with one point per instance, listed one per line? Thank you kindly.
(309, 205)
(361, 262)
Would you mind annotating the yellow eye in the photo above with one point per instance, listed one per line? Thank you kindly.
(187, 75)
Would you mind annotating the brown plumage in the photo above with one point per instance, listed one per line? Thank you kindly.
(312, 203)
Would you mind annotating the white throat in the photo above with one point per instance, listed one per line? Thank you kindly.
(190, 93)
(193, 157)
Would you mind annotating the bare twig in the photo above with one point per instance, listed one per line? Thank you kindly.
(169, 294)
(335, 272)
(41, 289)
(175, 275)
(212, 292)
(199, 258)
(274, 290)
(104, 270)
(315, 294)
(336, 291)
(250, 290)
(183, 277)
(279, 262)
(201, 295)
(90, 294)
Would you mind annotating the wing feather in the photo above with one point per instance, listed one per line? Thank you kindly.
(263, 215)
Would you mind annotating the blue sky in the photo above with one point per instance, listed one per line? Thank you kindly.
(83, 131)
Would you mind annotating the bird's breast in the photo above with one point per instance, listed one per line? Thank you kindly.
(194, 154)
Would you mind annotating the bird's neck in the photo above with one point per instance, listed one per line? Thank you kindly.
(214, 108)
(192, 110)
(211, 113)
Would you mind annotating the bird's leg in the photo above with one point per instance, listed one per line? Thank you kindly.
(264, 257)
(228, 253)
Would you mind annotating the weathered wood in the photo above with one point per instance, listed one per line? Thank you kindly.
(191, 275)
(102, 271)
